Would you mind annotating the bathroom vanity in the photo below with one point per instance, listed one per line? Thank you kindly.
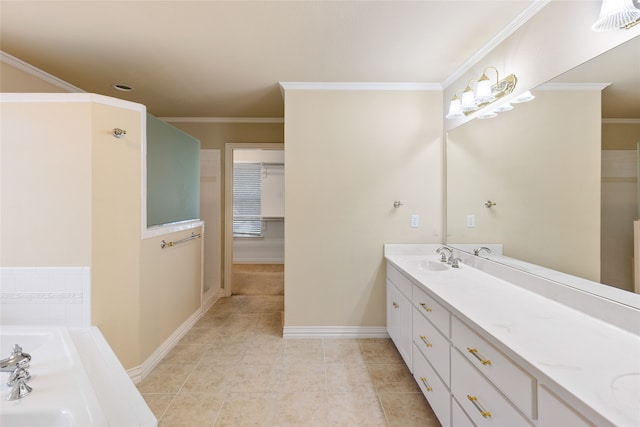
(490, 345)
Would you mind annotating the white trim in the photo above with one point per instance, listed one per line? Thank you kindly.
(358, 86)
(572, 86)
(621, 121)
(161, 230)
(335, 332)
(71, 97)
(139, 373)
(37, 72)
(519, 21)
(223, 119)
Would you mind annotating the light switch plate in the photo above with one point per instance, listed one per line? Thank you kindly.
(415, 220)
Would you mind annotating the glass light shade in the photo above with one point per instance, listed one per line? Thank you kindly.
(468, 101)
(483, 91)
(504, 107)
(487, 115)
(525, 97)
(616, 14)
(455, 109)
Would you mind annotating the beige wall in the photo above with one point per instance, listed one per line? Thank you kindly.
(349, 155)
(620, 136)
(46, 185)
(541, 164)
(13, 79)
(116, 215)
(72, 197)
(170, 287)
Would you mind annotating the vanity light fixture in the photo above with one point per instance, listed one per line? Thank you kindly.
(616, 14)
(455, 108)
(486, 92)
(483, 90)
(468, 99)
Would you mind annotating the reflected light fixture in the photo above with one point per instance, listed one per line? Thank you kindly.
(524, 97)
(504, 107)
(617, 14)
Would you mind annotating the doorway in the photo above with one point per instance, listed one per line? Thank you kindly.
(254, 219)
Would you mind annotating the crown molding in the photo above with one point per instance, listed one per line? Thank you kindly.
(358, 86)
(37, 72)
(502, 35)
(223, 119)
(571, 86)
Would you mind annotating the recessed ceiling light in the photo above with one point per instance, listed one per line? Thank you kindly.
(122, 87)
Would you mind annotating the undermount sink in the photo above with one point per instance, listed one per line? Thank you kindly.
(432, 265)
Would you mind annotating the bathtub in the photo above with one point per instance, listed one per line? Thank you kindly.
(76, 381)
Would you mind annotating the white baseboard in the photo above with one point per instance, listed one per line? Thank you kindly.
(139, 373)
(335, 332)
(211, 297)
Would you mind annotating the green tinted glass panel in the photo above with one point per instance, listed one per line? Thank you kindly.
(173, 174)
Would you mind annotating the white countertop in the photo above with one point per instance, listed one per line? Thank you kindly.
(586, 361)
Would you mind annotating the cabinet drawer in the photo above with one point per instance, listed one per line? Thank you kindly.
(432, 310)
(458, 417)
(510, 378)
(399, 280)
(432, 344)
(479, 399)
(432, 387)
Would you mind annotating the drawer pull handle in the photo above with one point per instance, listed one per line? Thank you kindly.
(483, 412)
(482, 360)
(427, 309)
(395, 304)
(426, 384)
(424, 340)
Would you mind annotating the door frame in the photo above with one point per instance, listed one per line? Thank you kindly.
(228, 202)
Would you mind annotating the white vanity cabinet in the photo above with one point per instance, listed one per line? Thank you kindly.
(399, 311)
(493, 347)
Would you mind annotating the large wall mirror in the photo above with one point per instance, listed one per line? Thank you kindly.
(562, 171)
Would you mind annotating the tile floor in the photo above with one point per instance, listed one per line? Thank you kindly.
(233, 368)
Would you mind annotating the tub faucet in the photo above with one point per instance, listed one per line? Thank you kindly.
(443, 256)
(17, 364)
(18, 359)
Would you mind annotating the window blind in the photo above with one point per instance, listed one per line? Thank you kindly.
(247, 199)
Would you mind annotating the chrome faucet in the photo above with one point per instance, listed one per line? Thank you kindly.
(477, 251)
(18, 359)
(443, 256)
(17, 364)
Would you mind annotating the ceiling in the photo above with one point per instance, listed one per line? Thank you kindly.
(225, 58)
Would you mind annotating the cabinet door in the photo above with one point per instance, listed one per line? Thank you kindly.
(399, 322)
(553, 412)
(392, 312)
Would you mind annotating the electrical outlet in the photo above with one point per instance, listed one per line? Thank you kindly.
(415, 220)
(471, 221)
